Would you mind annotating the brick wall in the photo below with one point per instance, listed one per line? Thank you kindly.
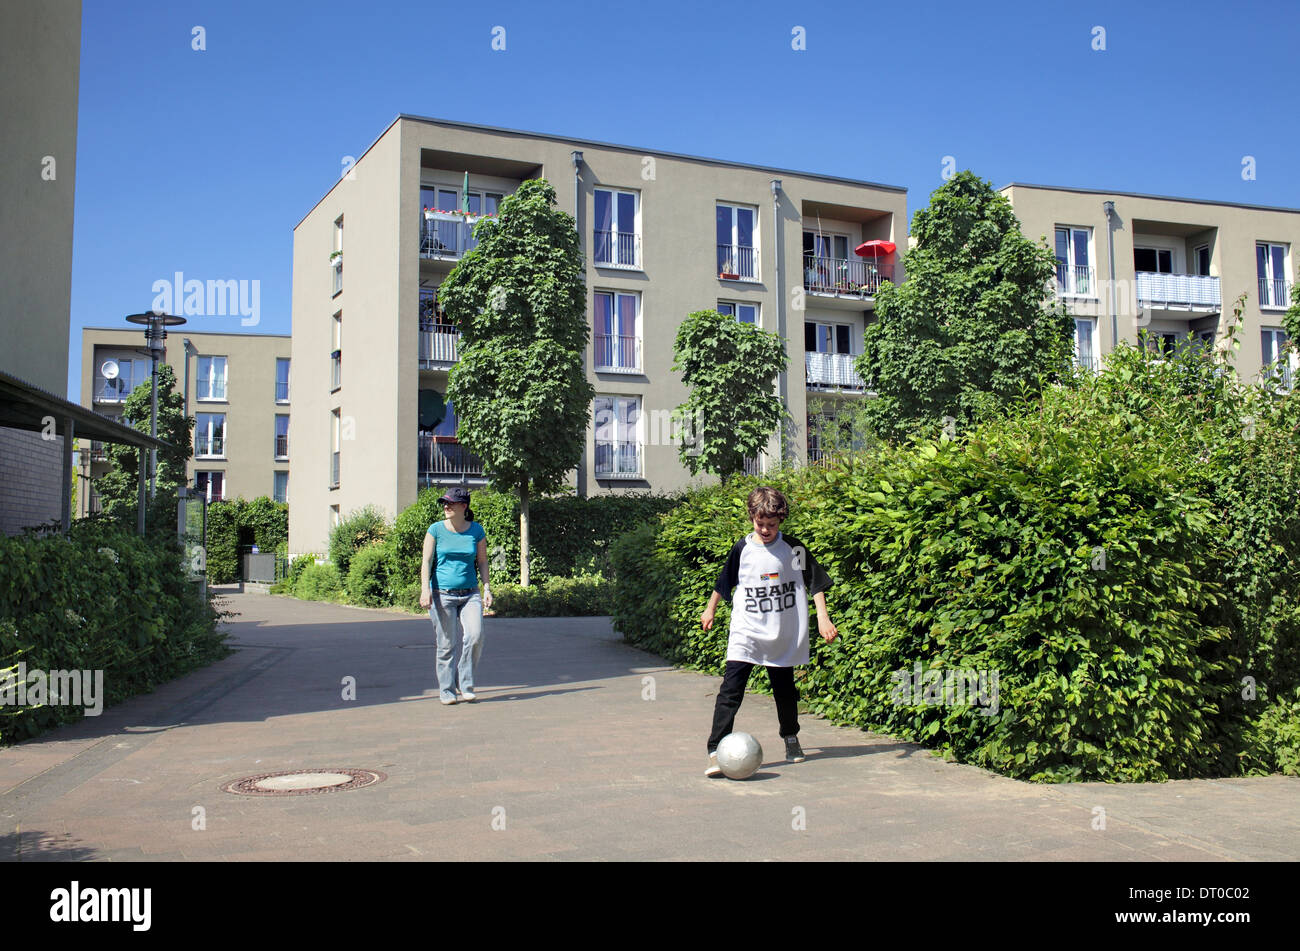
(31, 474)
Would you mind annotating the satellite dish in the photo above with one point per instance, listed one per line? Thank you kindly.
(109, 370)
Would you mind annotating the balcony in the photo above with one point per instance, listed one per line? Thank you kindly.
(446, 235)
(617, 354)
(98, 451)
(1273, 293)
(844, 277)
(832, 370)
(1075, 280)
(116, 390)
(1179, 291)
(737, 263)
(616, 249)
(618, 460)
(282, 446)
(441, 459)
(437, 344)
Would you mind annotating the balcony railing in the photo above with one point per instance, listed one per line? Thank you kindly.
(1273, 293)
(116, 390)
(437, 343)
(832, 370)
(98, 451)
(753, 466)
(334, 470)
(1189, 291)
(820, 457)
(617, 249)
(737, 262)
(281, 446)
(618, 460)
(445, 236)
(282, 391)
(211, 447)
(439, 460)
(1075, 280)
(617, 354)
(853, 277)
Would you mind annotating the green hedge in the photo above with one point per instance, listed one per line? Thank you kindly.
(583, 596)
(265, 521)
(319, 582)
(368, 577)
(99, 599)
(1118, 552)
(357, 530)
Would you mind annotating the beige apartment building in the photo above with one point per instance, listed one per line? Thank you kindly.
(1179, 266)
(663, 235)
(238, 393)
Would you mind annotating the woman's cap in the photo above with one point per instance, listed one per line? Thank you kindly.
(455, 495)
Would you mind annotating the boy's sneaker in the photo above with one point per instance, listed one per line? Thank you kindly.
(793, 752)
(714, 769)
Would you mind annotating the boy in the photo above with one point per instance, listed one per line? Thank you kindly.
(772, 575)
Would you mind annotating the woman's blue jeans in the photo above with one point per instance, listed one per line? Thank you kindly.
(452, 615)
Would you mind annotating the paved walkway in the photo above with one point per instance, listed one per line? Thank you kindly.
(563, 754)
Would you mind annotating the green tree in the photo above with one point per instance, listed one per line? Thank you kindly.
(118, 487)
(520, 387)
(731, 412)
(975, 321)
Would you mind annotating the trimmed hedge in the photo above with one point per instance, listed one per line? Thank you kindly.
(267, 521)
(368, 577)
(362, 527)
(319, 582)
(104, 599)
(584, 596)
(1117, 551)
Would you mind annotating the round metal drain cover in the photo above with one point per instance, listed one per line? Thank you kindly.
(303, 782)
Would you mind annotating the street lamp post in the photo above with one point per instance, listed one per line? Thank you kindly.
(155, 333)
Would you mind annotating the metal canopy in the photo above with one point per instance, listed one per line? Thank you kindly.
(25, 406)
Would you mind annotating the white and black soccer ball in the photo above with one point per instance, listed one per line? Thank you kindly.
(739, 755)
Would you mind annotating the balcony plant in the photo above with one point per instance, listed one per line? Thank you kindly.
(728, 271)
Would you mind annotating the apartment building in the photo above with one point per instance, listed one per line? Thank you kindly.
(663, 235)
(236, 386)
(1179, 266)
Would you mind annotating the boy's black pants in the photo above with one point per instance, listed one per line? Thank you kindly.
(732, 692)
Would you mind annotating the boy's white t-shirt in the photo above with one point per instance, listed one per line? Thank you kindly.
(769, 612)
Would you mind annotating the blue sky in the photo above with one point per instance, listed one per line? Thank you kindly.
(203, 161)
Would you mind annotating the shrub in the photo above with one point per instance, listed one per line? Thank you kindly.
(583, 596)
(319, 582)
(368, 577)
(264, 521)
(360, 528)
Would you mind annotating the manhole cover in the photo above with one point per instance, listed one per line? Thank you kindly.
(303, 782)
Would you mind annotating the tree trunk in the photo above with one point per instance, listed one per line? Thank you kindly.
(523, 532)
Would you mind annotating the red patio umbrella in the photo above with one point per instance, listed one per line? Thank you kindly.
(875, 248)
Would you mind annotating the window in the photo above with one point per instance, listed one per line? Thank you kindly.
(618, 451)
(450, 237)
(1073, 262)
(1153, 260)
(336, 259)
(211, 383)
(336, 355)
(281, 437)
(1202, 256)
(1270, 262)
(737, 230)
(745, 313)
(447, 426)
(825, 338)
(1085, 338)
(617, 338)
(209, 434)
(616, 230)
(280, 490)
(1274, 341)
(130, 374)
(211, 485)
(335, 437)
(282, 379)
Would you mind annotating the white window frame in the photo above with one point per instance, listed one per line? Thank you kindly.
(1095, 363)
(1174, 258)
(616, 418)
(1070, 288)
(833, 324)
(1277, 339)
(757, 276)
(637, 338)
(210, 378)
(614, 225)
(336, 262)
(1273, 278)
(735, 306)
(277, 455)
(287, 361)
(208, 436)
(207, 483)
(275, 475)
(1196, 259)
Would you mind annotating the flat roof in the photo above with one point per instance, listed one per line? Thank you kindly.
(176, 332)
(1194, 201)
(524, 133)
(25, 405)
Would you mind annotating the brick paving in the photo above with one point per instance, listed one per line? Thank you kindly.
(563, 757)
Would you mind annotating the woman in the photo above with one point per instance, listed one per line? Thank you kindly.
(451, 592)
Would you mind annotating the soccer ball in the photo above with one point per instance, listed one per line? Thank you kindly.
(739, 755)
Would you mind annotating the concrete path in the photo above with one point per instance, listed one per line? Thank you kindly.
(579, 747)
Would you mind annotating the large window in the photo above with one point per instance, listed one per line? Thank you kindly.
(737, 232)
(211, 485)
(336, 355)
(826, 338)
(1085, 343)
(616, 337)
(209, 435)
(282, 379)
(1270, 262)
(1074, 262)
(616, 238)
(211, 383)
(281, 437)
(336, 259)
(618, 451)
(1153, 260)
(745, 313)
(280, 488)
(335, 442)
(1274, 340)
